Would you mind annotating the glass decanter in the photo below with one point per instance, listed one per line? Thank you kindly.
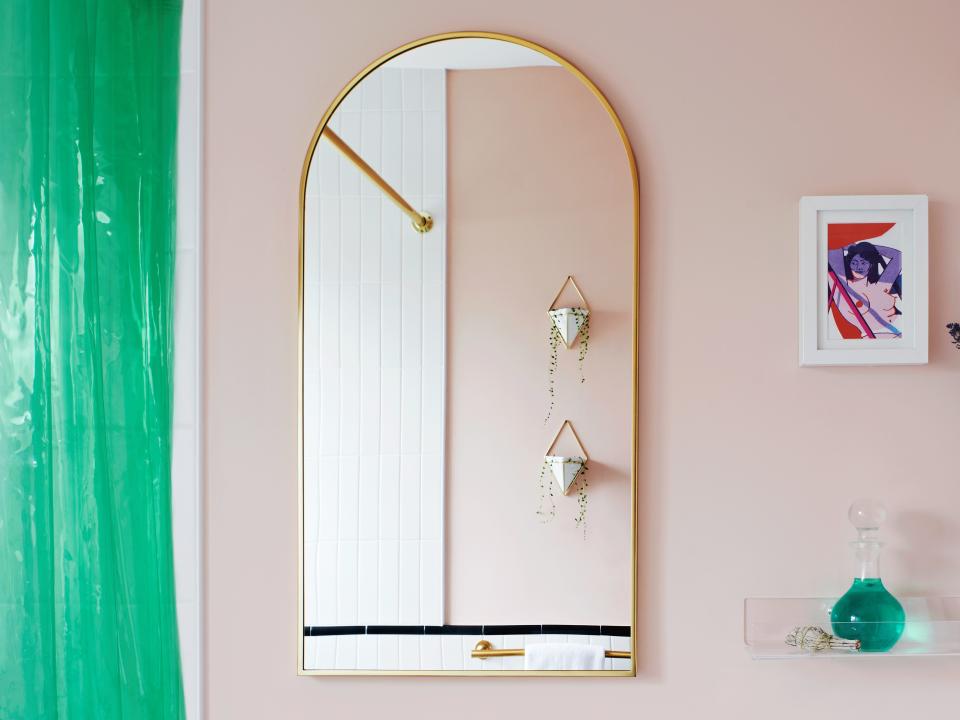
(868, 612)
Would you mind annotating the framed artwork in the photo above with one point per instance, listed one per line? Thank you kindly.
(863, 280)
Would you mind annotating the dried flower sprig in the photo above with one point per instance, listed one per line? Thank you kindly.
(811, 637)
(954, 330)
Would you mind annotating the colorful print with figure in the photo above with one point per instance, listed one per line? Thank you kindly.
(864, 280)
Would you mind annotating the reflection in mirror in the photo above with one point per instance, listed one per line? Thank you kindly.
(452, 518)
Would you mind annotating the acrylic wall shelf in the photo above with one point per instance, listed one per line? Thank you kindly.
(932, 627)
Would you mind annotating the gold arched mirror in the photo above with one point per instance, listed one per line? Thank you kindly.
(469, 369)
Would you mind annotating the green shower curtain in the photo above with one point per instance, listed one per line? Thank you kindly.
(88, 118)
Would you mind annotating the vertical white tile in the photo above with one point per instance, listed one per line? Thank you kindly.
(409, 497)
(389, 647)
(391, 150)
(370, 239)
(410, 652)
(349, 132)
(368, 652)
(434, 91)
(351, 103)
(392, 223)
(347, 581)
(311, 587)
(432, 409)
(372, 86)
(431, 585)
(328, 502)
(390, 402)
(412, 81)
(410, 409)
(391, 329)
(433, 170)
(323, 651)
(346, 652)
(389, 511)
(431, 656)
(412, 153)
(350, 240)
(369, 498)
(370, 410)
(328, 320)
(368, 573)
(330, 240)
(370, 148)
(349, 511)
(350, 410)
(389, 582)
(412, 260)
(409, 582)
(329, 411)
(370, 325)
(350, 325)
(431, 496)
(391, 89)
(328, 158)
(451, 646)
(326, 584)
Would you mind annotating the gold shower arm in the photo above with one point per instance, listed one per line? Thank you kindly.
(484, 649)
(422, 222)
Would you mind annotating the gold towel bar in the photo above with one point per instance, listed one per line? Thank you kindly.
(484, 650)
(422, 222)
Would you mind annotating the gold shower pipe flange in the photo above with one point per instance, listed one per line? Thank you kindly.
(422, 222)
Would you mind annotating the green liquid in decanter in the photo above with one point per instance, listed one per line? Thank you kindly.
(870, 614)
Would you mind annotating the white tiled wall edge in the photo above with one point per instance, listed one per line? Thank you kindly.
(436, 652)
(185, 469)
(374, 353)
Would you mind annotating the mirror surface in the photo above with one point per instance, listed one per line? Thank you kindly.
(445, 344)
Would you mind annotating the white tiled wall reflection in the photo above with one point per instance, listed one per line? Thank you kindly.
(436, 652)
(374, 368)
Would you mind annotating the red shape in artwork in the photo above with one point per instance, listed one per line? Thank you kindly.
(839, 235)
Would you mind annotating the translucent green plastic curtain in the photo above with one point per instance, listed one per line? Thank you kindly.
(88, 118)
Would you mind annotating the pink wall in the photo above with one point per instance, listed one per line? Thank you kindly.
(735, 109)
(538, 188)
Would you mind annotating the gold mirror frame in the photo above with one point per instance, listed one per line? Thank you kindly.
(631, 160)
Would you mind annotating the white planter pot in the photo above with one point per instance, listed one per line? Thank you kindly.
(565, 470)
(568, 322)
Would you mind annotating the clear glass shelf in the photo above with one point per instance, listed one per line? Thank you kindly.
(932, 627)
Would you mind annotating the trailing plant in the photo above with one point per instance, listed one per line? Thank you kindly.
(584, 320)
(546, 494)
(555, 339)
(581, 519)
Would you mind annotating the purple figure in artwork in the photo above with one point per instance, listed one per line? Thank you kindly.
(869, 278)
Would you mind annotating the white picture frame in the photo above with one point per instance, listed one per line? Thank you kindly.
(863, 280)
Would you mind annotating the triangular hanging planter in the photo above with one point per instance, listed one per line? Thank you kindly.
(569, 321)
(566, 469)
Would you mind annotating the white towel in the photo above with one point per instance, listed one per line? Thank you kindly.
(562, 656)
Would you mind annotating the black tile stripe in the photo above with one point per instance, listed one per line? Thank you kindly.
(318, 630)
